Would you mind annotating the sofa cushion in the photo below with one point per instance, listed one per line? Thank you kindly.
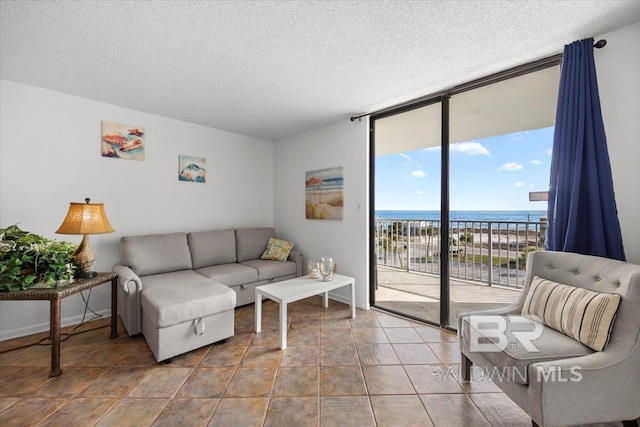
(230, 274)
(271, 269)
(584, 315)
(251, 242)
(171, 279)
(212, 247)
(168, 306)
(155, 254)
(277, 250)
(514, 359)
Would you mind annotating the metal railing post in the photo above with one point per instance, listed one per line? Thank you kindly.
(490, 254)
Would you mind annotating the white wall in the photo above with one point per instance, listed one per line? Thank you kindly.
(344, 144)
(618, 70)
(50, 156)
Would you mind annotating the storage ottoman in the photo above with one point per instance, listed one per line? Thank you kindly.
(178, 319)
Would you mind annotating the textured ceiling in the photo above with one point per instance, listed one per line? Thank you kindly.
(275, 69)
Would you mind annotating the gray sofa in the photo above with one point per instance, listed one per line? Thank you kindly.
(587, 386)
(186, 261)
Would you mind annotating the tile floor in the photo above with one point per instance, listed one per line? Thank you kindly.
(376, 369)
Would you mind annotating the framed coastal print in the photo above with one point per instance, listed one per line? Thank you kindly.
(192, 169)
(122, 141)
(324, 194)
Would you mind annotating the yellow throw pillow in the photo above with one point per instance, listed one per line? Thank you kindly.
(584, 315)
(277, 250)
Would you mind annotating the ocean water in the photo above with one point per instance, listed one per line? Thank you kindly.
(464, 215)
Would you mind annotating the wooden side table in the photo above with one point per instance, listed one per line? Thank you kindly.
(55, 295)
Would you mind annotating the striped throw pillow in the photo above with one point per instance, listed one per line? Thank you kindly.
(277, 250)
(584, 315)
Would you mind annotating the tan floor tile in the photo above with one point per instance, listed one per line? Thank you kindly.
(22, 381)
(305, 323)
(267, 338)
(187, 412)
(224, 355)
(403, 335)
(336, 336)
(133, 412)
(296, 381)
(95, 355)
(453, 410)
(190, 359)
(30, 411)
(395, 411)
(415, 354)
(377, 354)
(261, 357)
(500, 411)
(292, 411)
(304, 337)
(447, 352)
(70, 383)
(370, 336)
(251, 382)
(207, 382)
(433, 334)
(244, 338)
(432, 379)
(388, 321)
(338, 355)
(333, 411)
(117, 382)
(364, 322)
(480, 380)
(142, 357)
(335, 323)
(301, 356)
(7, 402)
(341, 381)
(36, 355)
(161, 382)
(246, 412)
(387, 380)
(82, 411)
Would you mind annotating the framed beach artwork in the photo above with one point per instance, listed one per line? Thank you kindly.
(324, 194)
(192, 169)
(122, 141)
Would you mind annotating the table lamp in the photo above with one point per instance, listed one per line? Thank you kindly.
(85, 218)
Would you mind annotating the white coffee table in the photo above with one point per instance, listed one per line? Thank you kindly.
(299, 288)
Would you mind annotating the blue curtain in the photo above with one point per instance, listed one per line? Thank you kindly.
(582, 212)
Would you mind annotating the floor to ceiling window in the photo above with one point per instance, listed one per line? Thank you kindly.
(451, 181)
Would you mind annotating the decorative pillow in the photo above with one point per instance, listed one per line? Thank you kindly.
(277, 250)
(584, 315)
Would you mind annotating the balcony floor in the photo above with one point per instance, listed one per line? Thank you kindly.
(418, 295)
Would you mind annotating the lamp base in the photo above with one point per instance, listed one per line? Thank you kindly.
(85, 274)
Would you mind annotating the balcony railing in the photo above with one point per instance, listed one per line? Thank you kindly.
(492, 252)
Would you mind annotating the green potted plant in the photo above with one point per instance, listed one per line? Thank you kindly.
(27, 258)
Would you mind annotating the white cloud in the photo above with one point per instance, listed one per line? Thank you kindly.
(549, 151)
(511, 167)
(536, 162)
(406, 156)
(531, 185)
(470, 148)
(519, 184)
(418, 174)
(518, 136)
(419, 193)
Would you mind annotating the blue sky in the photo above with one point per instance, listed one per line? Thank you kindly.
(495, 173)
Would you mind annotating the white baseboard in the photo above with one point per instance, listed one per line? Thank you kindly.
(43, 327)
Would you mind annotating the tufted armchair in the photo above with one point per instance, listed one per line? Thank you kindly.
(563, 382)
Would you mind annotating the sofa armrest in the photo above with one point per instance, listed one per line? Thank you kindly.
(129, 308)
(296, 257)
(600, 386)
(514, 308)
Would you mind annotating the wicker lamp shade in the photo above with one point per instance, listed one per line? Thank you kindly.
(85, 218)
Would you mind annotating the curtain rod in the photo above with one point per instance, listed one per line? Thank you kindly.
(598, 45)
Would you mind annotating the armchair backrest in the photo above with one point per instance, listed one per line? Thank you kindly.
(596, 274)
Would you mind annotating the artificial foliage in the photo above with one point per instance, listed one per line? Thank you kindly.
(27, 258)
